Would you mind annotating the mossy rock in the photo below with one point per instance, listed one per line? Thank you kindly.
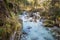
(49, 23)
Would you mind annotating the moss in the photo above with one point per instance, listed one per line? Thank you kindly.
(49, 23)
(8, 22)
(10, 25)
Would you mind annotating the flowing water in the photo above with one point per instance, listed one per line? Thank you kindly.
(34, 30)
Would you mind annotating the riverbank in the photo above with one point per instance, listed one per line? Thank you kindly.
(53, 27)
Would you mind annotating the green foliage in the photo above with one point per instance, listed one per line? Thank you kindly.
(53, 11)
(1, 31)
(8, 24)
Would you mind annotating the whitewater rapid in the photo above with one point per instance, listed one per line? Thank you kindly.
(35, 31)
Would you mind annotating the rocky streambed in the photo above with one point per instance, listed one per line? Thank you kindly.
(35, 30)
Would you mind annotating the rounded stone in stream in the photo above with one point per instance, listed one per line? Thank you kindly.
(24, 32)
(34, 39)
(29, 27)
(46, 38)
(27, 30)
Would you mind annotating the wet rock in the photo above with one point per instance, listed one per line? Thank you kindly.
(46, 38)
(24, 32)
(29, 27)
(34, 39)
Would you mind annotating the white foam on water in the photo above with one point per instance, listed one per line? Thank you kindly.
(35, 30)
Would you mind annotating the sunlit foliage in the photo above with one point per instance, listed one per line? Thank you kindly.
(8, 20)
